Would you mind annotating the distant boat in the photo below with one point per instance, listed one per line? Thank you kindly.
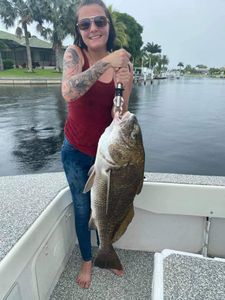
(160, 77)
(174, 74)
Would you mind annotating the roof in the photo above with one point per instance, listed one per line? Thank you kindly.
(12, 41)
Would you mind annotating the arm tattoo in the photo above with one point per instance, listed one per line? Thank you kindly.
(83, 81)
(77, 85)
(71, 60)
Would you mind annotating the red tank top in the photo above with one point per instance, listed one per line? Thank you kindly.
(89, 115)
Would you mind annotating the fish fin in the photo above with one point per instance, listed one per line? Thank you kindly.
(108, 259)
(91, 223)
(91, 170)
(90, 180)
(108, 190)
(123, 226)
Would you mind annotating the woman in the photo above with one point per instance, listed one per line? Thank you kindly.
(90, 73)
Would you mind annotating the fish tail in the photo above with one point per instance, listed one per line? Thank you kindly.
(108, 259)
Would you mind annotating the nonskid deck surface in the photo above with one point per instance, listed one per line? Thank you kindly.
(193, 278)
(135, 284)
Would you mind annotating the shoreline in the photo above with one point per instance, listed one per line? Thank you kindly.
(17, 81)
(29, 81)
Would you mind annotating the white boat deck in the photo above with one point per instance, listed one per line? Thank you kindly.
(135, 284)
(23, 198)
(192, 278)
(37, 230)
(185, 277)
(188, 276)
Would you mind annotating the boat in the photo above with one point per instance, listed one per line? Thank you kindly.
(160, 77)
(174, 74)
(173, 249)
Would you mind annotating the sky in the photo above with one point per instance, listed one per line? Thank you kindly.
(189, 31)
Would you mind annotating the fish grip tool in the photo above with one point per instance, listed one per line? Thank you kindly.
(118, 99)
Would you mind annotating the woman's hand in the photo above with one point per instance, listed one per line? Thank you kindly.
(126, 78)
(122, 75)
(118, 59)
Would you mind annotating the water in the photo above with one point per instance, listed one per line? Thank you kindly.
(182, 123)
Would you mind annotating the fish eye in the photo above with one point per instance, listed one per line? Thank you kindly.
(134, 132)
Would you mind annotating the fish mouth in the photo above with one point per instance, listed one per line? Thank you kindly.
(125, 116)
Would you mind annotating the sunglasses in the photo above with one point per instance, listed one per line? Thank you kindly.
(85, 24)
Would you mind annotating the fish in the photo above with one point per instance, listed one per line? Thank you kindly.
(114, 180)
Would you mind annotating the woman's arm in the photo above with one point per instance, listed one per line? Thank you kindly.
(76, 83)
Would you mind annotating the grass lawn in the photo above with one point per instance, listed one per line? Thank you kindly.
(37, 73)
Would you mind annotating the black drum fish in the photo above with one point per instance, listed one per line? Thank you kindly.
(114, 180)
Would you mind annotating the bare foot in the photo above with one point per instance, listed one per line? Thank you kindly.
(84, 276)
(118, 272)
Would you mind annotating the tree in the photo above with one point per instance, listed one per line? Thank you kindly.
(152, 49)
(10, 10)
(201, 66)
(188, 69)
(141, 59)
(133, 31)
(180, 65)
(122, 38)
(214, 71)
(160, 63)
(60, 14)
(165, 62)
(1, 62)
(2, 46)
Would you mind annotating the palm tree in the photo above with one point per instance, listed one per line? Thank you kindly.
(10, 10)
(152, 49)
(144, 57)
(180, 65)
(165, 62)
(61, 17)
(122, 38)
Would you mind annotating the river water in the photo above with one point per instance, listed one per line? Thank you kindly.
(182, 121)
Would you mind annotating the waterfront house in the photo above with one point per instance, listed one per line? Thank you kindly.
(201, 70)
(42, 52)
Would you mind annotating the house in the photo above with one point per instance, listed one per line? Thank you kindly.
(201, 70)
(42, 52)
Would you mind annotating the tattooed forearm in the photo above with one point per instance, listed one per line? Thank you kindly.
(83, 81)
(76, 85)
(70, 62)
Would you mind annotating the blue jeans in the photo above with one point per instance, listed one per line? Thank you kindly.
(76, 165)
